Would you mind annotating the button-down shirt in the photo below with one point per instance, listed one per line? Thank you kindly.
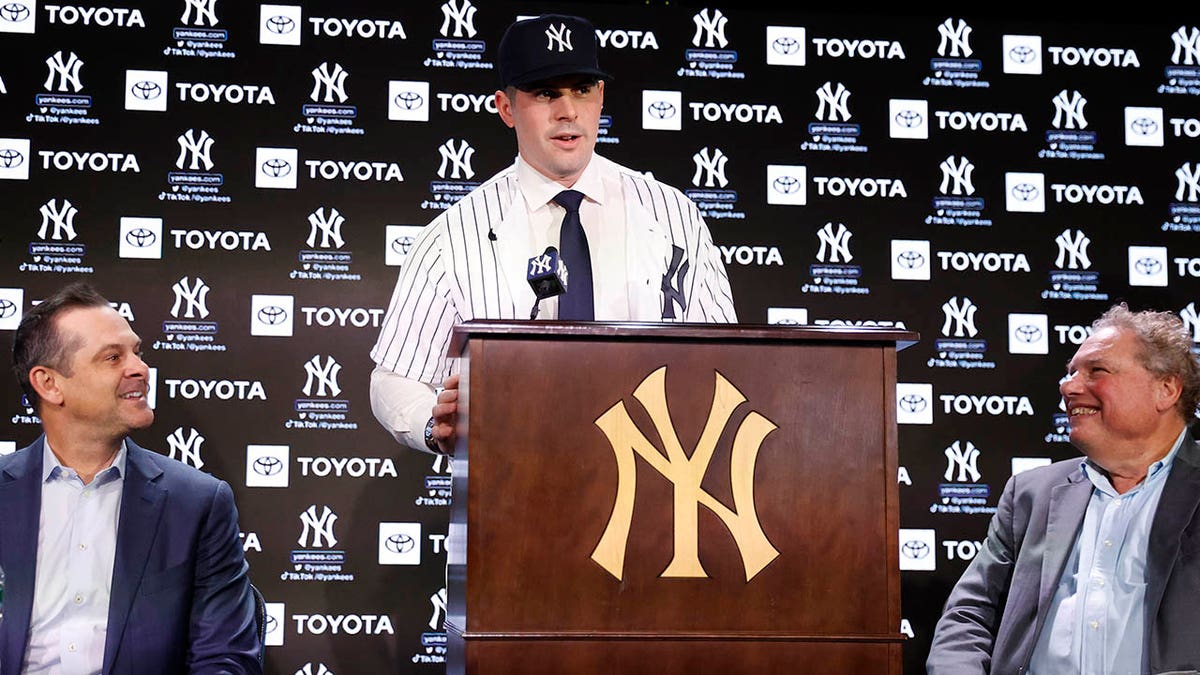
(77, 541)
(1095, 622)
(602, 214)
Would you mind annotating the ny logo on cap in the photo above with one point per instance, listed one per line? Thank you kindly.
(559, 35)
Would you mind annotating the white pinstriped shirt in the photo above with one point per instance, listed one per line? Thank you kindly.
(644, 236)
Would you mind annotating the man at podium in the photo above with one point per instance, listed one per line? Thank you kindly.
(1092, 565)
(632, 248)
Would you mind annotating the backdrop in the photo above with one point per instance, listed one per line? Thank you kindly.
(243, 181)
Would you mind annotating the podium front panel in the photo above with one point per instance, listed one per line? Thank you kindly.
(561, 444)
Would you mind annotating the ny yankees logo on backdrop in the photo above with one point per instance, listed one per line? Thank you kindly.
(1068, 111)
(1072, 250)
(964, 459)
(836, 99)
(68, 72)
(957, 38)
(686, 474)
(318, 527)
(463, 16)
(711, 28)
(61, 218)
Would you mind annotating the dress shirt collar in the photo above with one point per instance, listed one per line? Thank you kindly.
(1157, 470)
(539, 190)
(52, 469)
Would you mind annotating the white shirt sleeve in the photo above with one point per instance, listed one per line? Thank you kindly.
(403, 406)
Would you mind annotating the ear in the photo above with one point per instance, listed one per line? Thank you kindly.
(504, 108)
(1166, 393)
(47, 382)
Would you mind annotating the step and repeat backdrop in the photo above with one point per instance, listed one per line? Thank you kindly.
(243, 181)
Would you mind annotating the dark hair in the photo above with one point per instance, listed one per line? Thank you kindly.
(37, 341)
(1165, 349)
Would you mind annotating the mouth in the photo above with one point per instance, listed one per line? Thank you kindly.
(1081, 411)
(134, 395)
(566, 138)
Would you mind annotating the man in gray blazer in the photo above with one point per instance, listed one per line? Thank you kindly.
(1092, 565)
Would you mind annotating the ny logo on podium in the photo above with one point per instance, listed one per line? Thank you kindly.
(686, 473)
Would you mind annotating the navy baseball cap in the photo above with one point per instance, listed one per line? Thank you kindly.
(548, 46)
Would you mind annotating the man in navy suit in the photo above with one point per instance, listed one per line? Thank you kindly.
(118, 560)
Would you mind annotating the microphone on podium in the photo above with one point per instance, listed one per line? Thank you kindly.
(547, 275)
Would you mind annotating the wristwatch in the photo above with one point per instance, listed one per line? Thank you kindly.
(429, 442)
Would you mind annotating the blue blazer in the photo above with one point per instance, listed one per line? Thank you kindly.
(180, 600)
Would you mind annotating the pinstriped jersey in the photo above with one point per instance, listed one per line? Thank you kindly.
(467, 264)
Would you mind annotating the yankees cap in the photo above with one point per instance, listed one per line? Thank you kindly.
(548, 46)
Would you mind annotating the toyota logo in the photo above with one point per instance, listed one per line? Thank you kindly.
(913, 403)
(785, 45)
(910, 260)
(267, 466)
(1025, 192)
(14, 12)
(146, 90)
(1028, 333)
(661, 110)
(272, 315)
(402, 244)
(281, 25)
(271, 624)
(1143, 126)
(914, 550)
(1022, 54)
(786, 322)
(909, 119)
(1147, 266)
(399, 543)
(408, 100)
(786, 185)
(10, 159)
(276, 168)
(141, 237)
(7, 308)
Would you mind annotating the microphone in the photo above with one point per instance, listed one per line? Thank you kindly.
(547, 275)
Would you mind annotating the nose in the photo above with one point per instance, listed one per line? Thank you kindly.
(564, 108)
(137, 367)
(1068, 385)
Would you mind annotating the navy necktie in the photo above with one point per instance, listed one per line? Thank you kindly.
(576, 304)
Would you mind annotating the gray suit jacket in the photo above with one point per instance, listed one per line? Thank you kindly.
(996, 611)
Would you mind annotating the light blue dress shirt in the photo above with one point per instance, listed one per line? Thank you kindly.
(77, 543)
(1095, 622)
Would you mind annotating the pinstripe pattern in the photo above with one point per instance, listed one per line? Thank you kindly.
(453, 274)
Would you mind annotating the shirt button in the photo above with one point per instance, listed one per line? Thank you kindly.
(78, 599)
(71, 647)
(1094, 624)
(1108, 543)
(83, 547)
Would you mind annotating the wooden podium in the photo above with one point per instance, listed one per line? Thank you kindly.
(674, 499)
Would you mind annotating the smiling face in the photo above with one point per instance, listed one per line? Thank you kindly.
(1116, 406)
(557, 122)
(104, 394)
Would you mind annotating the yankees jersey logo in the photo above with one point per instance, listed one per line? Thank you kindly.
(673, 294)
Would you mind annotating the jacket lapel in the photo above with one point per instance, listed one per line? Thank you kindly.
(142, 503)
(21, 505)
(1068, 504)
(1176, 508)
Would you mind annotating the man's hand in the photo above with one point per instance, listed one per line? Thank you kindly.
(445, 416)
